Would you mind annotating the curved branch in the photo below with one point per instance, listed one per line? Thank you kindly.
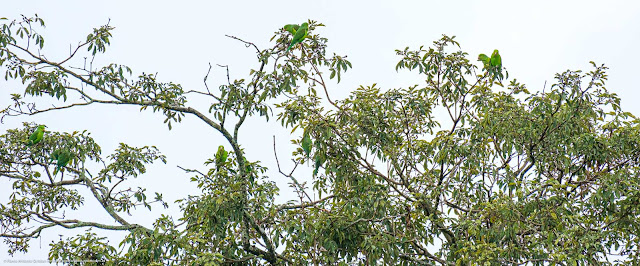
(303, 205)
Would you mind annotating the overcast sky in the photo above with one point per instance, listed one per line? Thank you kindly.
(178, 39)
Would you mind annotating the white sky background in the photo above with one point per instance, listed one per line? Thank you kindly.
(178, 39)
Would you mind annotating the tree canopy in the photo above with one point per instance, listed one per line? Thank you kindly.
(506, 176)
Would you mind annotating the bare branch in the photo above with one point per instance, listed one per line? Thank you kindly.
(248, 44)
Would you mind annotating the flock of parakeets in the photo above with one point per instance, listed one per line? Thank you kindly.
(61, 156)
(299, 32)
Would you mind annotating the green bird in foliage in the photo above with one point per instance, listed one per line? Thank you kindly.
(36, 136)
(496, 60)
(292, 28)
(221, 156)
(301, 33)
(54, 156)
(319, 160)
(485, 60)
(306, 143)
(63, 157)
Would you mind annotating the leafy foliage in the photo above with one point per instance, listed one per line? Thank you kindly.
(510, 177)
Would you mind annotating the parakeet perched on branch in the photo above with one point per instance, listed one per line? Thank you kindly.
(221, 156)
(301, 33)
(36, 136)
(496, 60)
(292, 28)
(485, 60)
(54, 156)
(306, 143)
(63, 158)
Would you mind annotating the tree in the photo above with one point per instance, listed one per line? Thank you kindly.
(510, 177)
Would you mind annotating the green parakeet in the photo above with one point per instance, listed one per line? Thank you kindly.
(36, 136)
(63, 158)
(496, 60)
(291, 28)
(301, 33)
(54, 156)
(221, 156)
(306, 143)
(249, 170)
(484, 59)
(319, 160)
